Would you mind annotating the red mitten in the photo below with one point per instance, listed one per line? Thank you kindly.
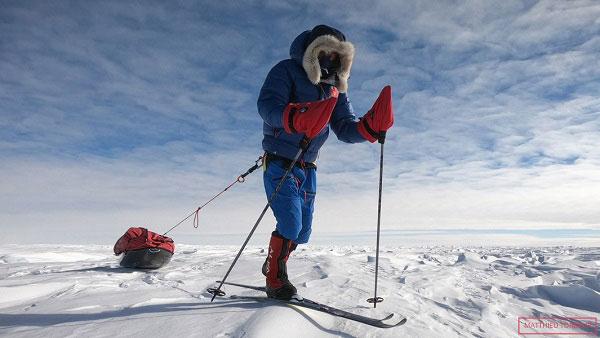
(309, 117)
(379, 119)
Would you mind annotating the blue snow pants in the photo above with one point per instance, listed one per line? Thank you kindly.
(294, 204)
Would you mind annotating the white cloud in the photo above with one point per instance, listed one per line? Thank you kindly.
(137, 112)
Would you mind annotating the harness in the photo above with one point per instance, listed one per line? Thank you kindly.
(286, 161)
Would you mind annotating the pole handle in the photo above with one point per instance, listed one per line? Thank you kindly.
(381, 137)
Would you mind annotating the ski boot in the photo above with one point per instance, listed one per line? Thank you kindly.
(275, 269)
(293, 247)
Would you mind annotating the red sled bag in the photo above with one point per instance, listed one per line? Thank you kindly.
(144, 249)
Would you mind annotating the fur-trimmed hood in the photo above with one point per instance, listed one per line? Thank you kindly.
(307, 56)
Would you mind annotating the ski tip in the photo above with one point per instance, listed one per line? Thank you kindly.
(393, 319)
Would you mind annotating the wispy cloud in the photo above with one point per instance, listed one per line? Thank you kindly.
(115, 113)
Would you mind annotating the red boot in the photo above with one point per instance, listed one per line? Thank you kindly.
(275, 269)
(293, 247)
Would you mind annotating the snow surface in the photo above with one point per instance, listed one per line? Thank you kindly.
(80, 291)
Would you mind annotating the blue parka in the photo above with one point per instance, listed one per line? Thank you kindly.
(288, 82)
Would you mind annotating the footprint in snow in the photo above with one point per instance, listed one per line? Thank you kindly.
(319, 270)
(150, 279)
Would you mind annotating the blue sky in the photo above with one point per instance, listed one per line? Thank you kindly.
(119, 113)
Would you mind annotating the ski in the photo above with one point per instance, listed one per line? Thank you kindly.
(392, 320)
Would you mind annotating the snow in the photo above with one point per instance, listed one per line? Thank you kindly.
(451, 291)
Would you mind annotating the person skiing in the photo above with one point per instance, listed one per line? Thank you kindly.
(301, 99)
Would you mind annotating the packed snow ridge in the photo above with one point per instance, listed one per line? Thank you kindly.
(59, 291)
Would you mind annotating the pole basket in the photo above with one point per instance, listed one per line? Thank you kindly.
(375, 300)
(216, 292)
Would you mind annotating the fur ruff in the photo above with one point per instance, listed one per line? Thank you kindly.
(328, 44)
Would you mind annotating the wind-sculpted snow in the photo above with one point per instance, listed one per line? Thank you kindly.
(59, 291)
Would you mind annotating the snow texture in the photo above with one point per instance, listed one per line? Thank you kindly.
(62, 291)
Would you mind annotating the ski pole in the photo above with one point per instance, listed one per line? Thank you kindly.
(303, 146)
(241, 179)
(376, 299)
